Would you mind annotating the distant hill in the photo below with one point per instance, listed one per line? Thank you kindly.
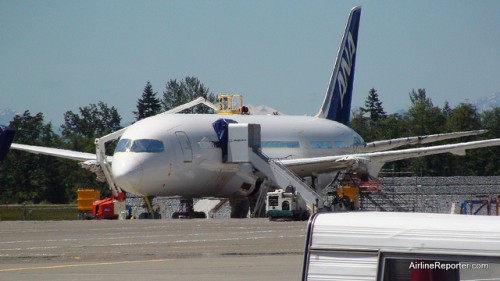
(487, 103)
(263, 110)
(481, 103)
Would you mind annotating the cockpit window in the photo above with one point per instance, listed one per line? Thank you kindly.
(123, 145)
(146, 145)
(142, 145)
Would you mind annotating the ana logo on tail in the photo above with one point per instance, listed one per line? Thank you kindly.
(345, 67)
(337, 103)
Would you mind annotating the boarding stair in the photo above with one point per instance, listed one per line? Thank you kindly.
(283, 177)
(244, 146)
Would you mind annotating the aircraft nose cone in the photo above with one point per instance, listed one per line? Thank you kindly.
(127, 172)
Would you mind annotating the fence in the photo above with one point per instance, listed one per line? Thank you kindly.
(38, 212)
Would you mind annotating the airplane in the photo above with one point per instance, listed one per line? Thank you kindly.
(186, 155)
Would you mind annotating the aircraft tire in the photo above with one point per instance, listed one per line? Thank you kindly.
(239, 209)
(200, 215)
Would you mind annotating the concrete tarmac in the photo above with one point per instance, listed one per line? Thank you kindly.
(200, 249)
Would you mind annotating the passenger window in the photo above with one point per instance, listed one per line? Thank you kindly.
(339, 144)
(321, 144)
(280, 144)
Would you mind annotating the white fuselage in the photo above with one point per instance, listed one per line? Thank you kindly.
(176, 154)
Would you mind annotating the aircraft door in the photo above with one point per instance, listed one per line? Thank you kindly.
(185, 144)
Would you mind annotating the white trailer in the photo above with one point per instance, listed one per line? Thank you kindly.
(401, 246)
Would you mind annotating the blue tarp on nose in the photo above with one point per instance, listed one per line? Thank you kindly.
(221, 129)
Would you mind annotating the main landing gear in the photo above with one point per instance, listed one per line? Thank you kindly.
(186, 211)
(239, 208)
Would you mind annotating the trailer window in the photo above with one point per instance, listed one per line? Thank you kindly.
(420, 270)
(442, 267)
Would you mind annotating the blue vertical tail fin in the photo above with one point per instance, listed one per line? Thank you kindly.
(337, 103)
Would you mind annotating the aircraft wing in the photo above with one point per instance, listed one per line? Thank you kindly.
(309, 166)
(62, 153)
(373, 161)
(384, 145)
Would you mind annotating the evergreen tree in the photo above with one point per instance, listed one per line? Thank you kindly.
(148, 105)
(372, 127)
(374, 106)
(178, 93)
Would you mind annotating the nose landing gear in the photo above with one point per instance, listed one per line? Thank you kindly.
(153, 210)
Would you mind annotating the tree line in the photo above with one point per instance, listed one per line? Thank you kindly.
(425, 118)
(26, 177)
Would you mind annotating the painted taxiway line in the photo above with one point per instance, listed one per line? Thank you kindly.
(79, 265)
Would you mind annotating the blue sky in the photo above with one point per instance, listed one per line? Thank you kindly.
(59, 55)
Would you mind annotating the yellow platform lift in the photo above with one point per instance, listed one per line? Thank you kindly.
(231, 104)
(349, 195)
